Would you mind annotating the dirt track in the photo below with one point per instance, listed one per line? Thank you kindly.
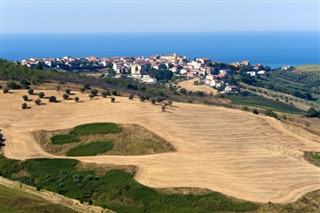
(237, 153)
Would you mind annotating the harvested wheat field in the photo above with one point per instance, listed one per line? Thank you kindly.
(234, 152)
(190, 86)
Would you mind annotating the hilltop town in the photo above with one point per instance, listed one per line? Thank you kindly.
(155, 68)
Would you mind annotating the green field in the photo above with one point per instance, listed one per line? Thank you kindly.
(91, 149)
(309, 68)
(265, 103)
(86, 129)
(96, 128)
(63, 139)
(15, 200)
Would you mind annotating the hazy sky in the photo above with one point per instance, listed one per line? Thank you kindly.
(101, 16)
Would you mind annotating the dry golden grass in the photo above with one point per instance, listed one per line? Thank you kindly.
(133, 140)
(190, 86)
(230, 151)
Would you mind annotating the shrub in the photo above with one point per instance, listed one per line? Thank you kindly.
(169, 102)
(219, 95)
(37, 102)
(159, 99)
(87, 86)
(94, 92)
(91, 96)
(5, 90)
(65, 96)
(68, 91)
(270, 113)
(77, 99)
(312, 113)
(255, 111)
(52, 99)
(113, 99)
(104, 94)
(30, 91)
(153, 101)
(245, 108)
(163, 108)
(82, 89)
(114, 92)
(142, 98)
(41, 95)
(25, 98)
(183, 91)
(13, 85)
(131, 96)
(24, 106)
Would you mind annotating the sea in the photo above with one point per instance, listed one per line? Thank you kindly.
(268, 48)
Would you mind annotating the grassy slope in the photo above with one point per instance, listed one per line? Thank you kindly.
(14, 200)
(265, 103)
(117, 190)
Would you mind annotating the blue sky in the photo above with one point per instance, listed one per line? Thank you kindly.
(54, 16)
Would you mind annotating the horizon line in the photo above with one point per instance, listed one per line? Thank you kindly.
(152, 32)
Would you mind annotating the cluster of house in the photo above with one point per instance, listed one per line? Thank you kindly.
(138, 67)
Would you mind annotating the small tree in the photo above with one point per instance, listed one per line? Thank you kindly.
(94, 92)
(113, 99)
(142, 98)
(37, 102)
(65, 96)
(255, 111)
(312, 113)
(91, 96)
(270, 113)
(104, 94)
(25, 98)
(159, 99)
(30, 91)
(76, 99)
(163, 108)
(130, 96)
(41, 95)
(5, 90)
(82, 89)
(68, 91)
(87, 86)
(52, 99)
(24, 106)
(114, 92)
(183, 91)
(153, 101)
